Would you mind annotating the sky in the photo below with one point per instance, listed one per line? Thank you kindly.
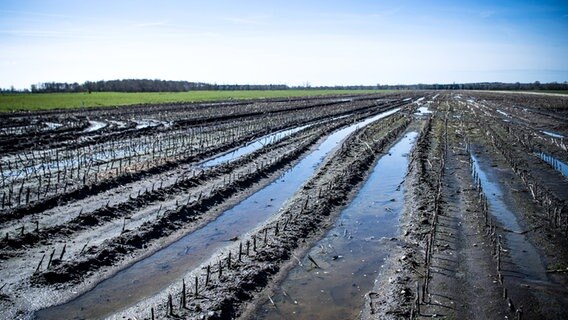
(293, 42)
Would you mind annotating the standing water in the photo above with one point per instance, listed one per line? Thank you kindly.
(554, 163)
(253, 146)
(351, 254)
(553, 134)
(94, 126)
(170, 263)
(522, 252)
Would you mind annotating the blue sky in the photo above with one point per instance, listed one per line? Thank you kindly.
(291, 42)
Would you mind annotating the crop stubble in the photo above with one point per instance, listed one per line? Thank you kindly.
(80, 204)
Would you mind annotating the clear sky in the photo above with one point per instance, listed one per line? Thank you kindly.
(292, 42)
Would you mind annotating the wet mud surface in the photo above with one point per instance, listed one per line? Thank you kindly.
(479, 244)
(142, 196)
(351, 254)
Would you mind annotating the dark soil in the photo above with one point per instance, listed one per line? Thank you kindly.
(461, 278)
(452, 259)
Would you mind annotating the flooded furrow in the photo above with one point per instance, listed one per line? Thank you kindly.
(554, 163)
(523, 254)
(115, 197)
(352, 252)
(95, 125)
(261, 142)
(553, 134)
(133, 283)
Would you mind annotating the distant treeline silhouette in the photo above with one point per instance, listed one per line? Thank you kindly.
(148, 85)
(144, 85)
(481, 86)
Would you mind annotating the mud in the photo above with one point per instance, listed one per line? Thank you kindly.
(299, 223)
(462, 257)
(483, 230)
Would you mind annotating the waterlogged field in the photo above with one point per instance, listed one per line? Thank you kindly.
(382, 205)
(48, 101)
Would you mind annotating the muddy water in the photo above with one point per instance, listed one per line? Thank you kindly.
(554, 163)
(351, 254)
(522, 252)
(154, 273)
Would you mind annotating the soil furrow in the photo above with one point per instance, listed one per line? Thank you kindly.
(305, 217)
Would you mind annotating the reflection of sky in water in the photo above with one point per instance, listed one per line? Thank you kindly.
(95, 125)
(172, 262)
(253, 146)
(555, 163)
(350, 255)
(553, 134)
(523, 253)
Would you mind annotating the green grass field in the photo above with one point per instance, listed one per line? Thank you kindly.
(46, 101)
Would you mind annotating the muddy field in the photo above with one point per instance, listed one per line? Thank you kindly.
(278, 209)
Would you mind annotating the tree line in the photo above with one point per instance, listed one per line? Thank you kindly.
(144, 85)
(481, 86)
(148, 85)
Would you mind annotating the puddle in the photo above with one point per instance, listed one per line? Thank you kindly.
(423, 110)
(257, 144)
(503, 113)
(169, 264)
(95, 125)
(352, 252)
(419, 100)
(552, 134)
(118, 124)
(522, 252)
(554, 163)
(251, 147)
(52, 125)
(146, 123)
